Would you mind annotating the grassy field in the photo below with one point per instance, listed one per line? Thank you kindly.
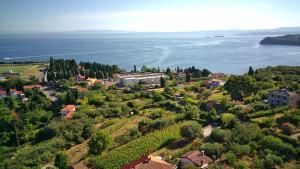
(27, 70)
(218, 96)
(14, 68)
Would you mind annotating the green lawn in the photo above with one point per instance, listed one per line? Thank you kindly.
(27, 70)
(219, 96)
(14, 68)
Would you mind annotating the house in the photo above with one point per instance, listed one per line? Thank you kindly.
(81, 91)
(215, 83)
(108, 84)
(148, 162)
(10, 73)
(68, 111)
(150, 79)
(2, 94)
(217, 75)
(16, 93)
(282, 97)
(196, 158)
(31, 87)
(181, 76)
(13, 92)
(21, 95)
(80, 78)
(92, 81)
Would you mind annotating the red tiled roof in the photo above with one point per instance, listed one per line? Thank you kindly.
(197, 158)
(2, 92)
(12, 90)
(31, 86)
(109, 84)
(19, 92)
(69, 115)
(136, 162)
(147, 162)
(81, 90)
(69, 107)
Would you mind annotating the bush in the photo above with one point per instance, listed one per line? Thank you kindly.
(191, 131)
(99, 142)
(227, 119)
(241, 149)
(267, 122)
(271, 160)
(61, 161)
(230, 158)
(288, 128)
(245, 133)
(213, 149)
(219, 135)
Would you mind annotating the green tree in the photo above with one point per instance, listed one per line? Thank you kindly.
(87, 131)
(220, 135)
(245, 133)
(251, 71)
(191, 131)
(99, 142)
(61, 161)
(187, 76)
(228, 119)
(162, 82)
(240, 86)
(192, 112)
(230, 158)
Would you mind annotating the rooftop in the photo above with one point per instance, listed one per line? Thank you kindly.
(31, 86)
(69, 107)
(148, 162)
(197, 157)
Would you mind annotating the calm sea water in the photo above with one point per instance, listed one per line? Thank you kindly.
(229, 54)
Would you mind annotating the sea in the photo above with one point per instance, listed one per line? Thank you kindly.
(231, 53)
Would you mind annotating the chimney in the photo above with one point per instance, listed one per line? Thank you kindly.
(202, 152)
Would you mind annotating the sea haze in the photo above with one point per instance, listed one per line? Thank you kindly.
(233, 53)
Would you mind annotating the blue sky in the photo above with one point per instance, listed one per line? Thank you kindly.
(147, 15)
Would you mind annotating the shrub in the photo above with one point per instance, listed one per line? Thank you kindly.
(99, 142)
(213, 149)
(227, 119)
(288, 128)
(267, 122)
(230, 158)
(191, 130)
(61, 161)
(219, 135)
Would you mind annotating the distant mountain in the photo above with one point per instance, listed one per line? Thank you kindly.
(277, 31)
(282, 40)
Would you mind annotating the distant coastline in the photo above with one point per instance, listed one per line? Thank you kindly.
(293, 40)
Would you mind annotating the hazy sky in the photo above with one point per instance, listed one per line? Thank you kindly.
(147, 15)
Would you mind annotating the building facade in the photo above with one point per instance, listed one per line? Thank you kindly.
(282, 97)
(215, 83)
(150, 79)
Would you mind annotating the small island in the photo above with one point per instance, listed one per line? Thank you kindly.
(293, 40)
